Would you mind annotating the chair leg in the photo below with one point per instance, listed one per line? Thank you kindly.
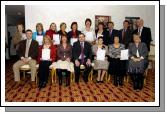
(53, 75)
(109, 76)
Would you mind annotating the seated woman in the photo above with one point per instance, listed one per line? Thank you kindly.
(44, 63)
(63, 65)
(138, 53)
(100, 65)
(39, 32)
(116, 65)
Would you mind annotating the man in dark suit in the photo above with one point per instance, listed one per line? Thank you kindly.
(125, 34)
(145, 34)
(112, 32)
(28, 53)
(82, 55)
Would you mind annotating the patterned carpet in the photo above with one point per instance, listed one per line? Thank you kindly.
(90, 92)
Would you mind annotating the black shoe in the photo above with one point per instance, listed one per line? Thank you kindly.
(101, 82)
(44, 84)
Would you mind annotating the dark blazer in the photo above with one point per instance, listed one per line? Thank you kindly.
(142, 48)
(70, 34)
(33, 50)
(145, 36)
(105, 36)
(76, 50)
(111, 36)
(128, 37)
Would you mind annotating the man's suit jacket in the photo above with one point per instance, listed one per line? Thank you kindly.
(105, 36)
(33, 50)
(111, 36)
(128, 37)
(145, 36)
(76, 50)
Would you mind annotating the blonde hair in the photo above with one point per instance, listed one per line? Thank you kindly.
(46, 37)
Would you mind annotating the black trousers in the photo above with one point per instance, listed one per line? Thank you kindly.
(60, 75)
(85, 72)
(138, 81)
(44, 71)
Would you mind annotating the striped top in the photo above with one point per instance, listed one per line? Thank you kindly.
(115, 52)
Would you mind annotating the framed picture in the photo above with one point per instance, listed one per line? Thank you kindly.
(102, 18)
(132, 21)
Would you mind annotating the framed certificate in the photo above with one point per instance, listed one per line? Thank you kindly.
(45, 54)
(124, 54)
(56, 39)
(101, 54)
(39, 39)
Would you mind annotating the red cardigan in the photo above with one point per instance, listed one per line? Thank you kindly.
(50, 33)
(52, 53)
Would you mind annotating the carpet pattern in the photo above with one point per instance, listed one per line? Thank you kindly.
(82, 92)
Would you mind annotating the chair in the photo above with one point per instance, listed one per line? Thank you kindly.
(26, 68)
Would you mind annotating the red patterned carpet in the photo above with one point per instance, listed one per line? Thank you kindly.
(90, 92)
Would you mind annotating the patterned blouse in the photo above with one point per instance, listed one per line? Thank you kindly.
(64, 53)
(115, 52)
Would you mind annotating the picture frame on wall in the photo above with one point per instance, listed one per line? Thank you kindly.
(132, 22)
(102, 18)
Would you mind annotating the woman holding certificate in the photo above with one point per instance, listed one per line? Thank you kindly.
(138, 62)
(64, 65)
(47, 55)
(73, 35)
(38, 35)
(101, 32)
(89, 32)
(100, 52)
(116, 67)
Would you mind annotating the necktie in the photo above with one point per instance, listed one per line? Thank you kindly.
(27, 48)
(139, 31)
(123, 35)
(82, 53)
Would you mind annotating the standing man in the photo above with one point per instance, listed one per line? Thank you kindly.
(145, 33)
(125, 34)
(82, 54)
(28, 53)
(112, 32)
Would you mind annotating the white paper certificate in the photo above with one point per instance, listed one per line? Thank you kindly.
(72, 40)
(45, 54)
(101, 54)
(56, 39)
(124, 54)
(39, 39)
(89, 36)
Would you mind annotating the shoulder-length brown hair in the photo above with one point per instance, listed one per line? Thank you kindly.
(46, 37)
(39, 24)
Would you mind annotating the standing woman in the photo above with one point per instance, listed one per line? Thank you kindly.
(64, 64)
(52, 30)
(62, 30)
(74, 33)
(44, 64)
(116, 67)
(89, 32)
(18, 36)
(39, 31)
(101, 32)
(138, 53)
(100, 65)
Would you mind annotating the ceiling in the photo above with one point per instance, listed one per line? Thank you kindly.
(15, 14)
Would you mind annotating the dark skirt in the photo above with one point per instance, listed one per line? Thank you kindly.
(117, 67)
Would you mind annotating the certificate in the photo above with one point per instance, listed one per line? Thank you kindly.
(72, 40)
(101, 54)
(89, 36)
(39, 39)
(56, 39)
(124, 54)
(45, 54)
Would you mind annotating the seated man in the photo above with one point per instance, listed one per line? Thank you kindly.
(28, 53)
(82, 55)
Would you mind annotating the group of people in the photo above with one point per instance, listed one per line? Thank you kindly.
(67, 57)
